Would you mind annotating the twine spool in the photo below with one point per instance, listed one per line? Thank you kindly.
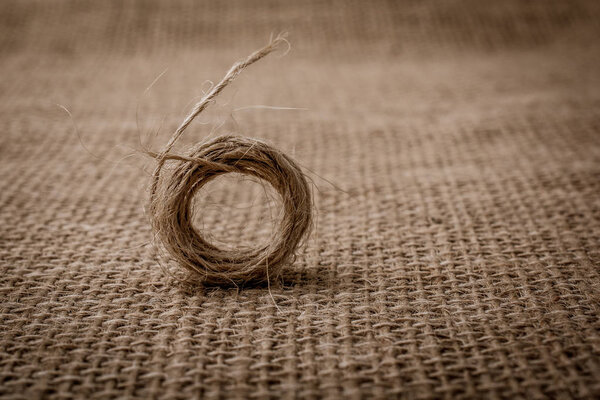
(171, 199)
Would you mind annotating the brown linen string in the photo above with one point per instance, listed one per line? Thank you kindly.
(171, 197)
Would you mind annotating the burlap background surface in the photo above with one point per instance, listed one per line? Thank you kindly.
(460, 261)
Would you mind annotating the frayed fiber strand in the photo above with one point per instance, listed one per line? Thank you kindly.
(171, 200)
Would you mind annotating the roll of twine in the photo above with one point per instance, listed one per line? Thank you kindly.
(171, 198)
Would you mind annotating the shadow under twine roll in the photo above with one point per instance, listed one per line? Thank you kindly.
(171, 198)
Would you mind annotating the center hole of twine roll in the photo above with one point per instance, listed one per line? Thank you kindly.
(235, 211)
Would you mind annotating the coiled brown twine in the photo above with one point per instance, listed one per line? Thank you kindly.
(171, 198)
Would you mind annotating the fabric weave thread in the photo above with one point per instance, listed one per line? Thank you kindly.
(460, 262)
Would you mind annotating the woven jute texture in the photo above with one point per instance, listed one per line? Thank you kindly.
(460, 259)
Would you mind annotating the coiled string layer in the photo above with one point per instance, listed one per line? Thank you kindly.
(171, 198)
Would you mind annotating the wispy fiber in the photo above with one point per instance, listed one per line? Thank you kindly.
(171, 197)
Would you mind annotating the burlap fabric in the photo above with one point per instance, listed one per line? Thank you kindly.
(459, 261)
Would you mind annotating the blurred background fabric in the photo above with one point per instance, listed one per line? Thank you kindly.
(460, 259)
